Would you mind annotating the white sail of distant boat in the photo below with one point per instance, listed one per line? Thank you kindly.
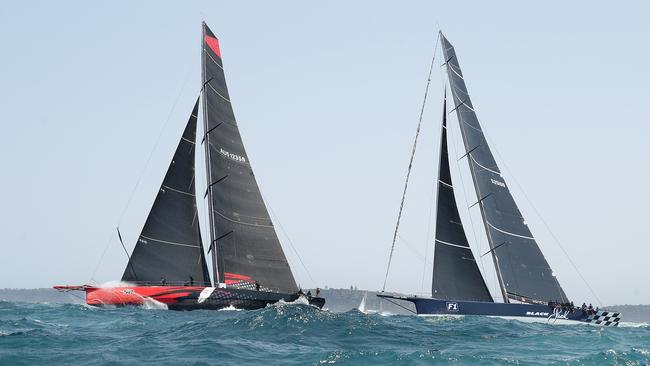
(362, 305)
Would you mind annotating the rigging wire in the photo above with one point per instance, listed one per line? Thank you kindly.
(398, 304)
(411, 247)
(277, 219)
(428, 241)
(144, 169)
(428, 237)
(539, 215)
(408, 172)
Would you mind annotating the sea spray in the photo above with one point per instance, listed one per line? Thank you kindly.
(295, 334)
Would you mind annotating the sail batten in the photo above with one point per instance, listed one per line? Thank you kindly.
(169, 248)
(244, 244)
(523, 272)
(456, 275)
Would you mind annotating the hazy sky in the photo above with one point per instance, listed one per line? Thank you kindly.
(327, 98)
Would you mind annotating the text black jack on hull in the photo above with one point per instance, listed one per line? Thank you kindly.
(524, 312)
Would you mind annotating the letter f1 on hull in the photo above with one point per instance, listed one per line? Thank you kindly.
(524, 312)
(529, 288)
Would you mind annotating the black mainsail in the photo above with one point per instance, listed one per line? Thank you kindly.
(169, 247)
(456, 275)
(523, 272)
(244, 244)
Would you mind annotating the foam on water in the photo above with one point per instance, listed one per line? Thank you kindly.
(152, 304)
(230, 308)
(294, 334)
(633, 325)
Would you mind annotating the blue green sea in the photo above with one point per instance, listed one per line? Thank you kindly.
(291, 334)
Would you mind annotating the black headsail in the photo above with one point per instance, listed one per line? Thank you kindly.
(169, 248)
(455, 273)
(523, 272)
(244, 241)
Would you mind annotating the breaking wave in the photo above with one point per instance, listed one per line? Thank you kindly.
(297, 334)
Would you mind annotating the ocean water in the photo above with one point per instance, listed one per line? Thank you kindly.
(293, 334)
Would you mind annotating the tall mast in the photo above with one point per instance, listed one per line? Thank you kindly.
(208, 166)
(245, 248)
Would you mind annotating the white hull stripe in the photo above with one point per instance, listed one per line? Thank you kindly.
(524, 319)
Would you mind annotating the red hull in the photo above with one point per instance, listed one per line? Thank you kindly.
(138, 295)
(135, 295)
(184, 297)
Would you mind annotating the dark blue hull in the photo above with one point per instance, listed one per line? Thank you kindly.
(525, 312)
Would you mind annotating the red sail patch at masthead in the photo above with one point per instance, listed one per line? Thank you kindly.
(213, 43)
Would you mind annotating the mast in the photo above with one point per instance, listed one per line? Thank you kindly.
(169, 247)
(206, 144)
(523, 273)
(456, 275)
(245, 248)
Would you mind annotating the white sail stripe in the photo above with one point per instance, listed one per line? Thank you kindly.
(509, 233)
(177, 191)
(468, 107)
(448, 185)
(170, 242)
(460, 90)
(486, 168)
(452, 244)
(452, 69)
(239, 222)
(213, 60)
(462, 104)
(470, 126)
(186, 140)
(219, 94)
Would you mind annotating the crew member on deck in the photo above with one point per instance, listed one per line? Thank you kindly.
(257, 286)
